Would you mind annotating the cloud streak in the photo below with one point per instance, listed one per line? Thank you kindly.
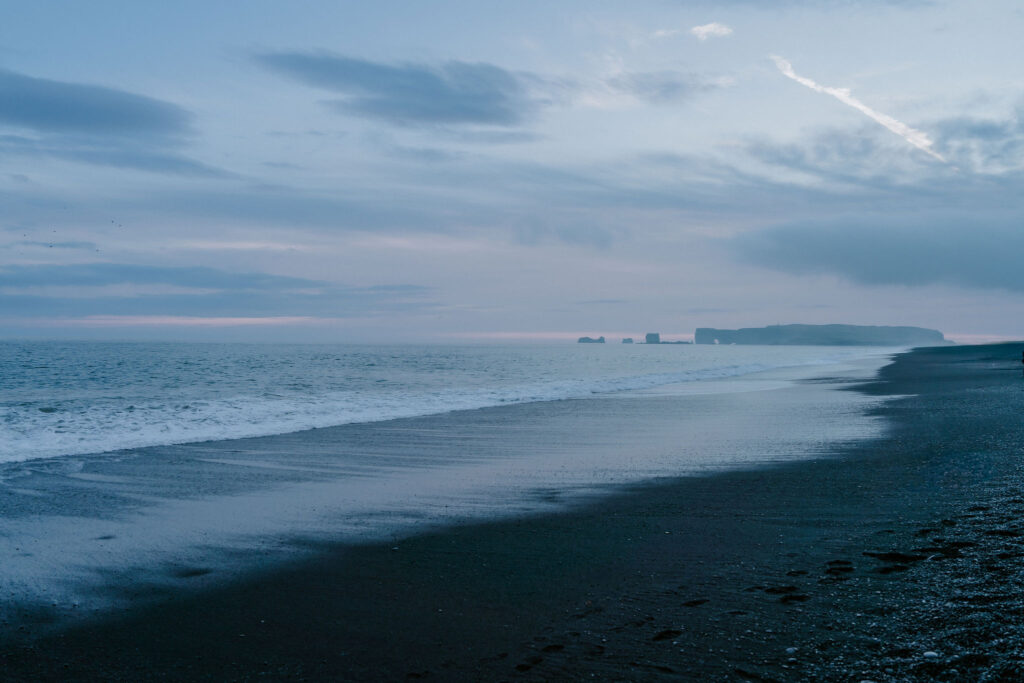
(55, 106)
(182, 321)
(95, 125)
(142, 155)
(915, 137)
(409, 94)
(660, 87)
(927, 248)
(712, 30)
(99, 274)
(85, 290)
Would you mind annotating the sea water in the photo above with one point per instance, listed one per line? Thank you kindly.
(137, 463)
(59, 399)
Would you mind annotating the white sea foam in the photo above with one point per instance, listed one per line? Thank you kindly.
(66, 422)
(69, 524)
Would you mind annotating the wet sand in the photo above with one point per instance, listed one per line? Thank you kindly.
(896, 559)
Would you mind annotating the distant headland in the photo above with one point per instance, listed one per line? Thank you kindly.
(803, 335)
(823, 335)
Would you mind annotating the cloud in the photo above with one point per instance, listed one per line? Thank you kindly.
(602, 302)
(410, 94)
(99, 274)
(88, 246)
(95, 125)
(924, 249)
(143, 160)
(709, 310)
(119, 321)
(983, 145)
(476, 136)
(712, 30)
(779, 4)
(49, 106)
(914, 137)
(428, 155)
(358, 208)
(283, 165)
(660, 87)
(137, 155)
(115, 289)
(865, 157)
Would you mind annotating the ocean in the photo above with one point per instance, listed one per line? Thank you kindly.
(188, 464)
(59, 399)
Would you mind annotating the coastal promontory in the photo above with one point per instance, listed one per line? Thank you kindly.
(823, 335)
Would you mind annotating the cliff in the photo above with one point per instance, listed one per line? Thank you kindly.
(823, 335)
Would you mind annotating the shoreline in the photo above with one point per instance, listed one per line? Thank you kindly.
(739, 575)
(195, 418)
(194, 516)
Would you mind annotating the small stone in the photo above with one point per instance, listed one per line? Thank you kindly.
(931, 654)
(790, 650)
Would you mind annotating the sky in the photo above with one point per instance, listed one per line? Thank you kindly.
(475, 171)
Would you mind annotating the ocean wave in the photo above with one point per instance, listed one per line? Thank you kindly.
(61, 428)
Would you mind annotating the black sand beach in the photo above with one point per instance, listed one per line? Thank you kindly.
(897, 559)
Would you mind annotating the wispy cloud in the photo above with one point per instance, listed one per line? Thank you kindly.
(516, 336)
(95, 125)
(181, 321)
(712, 30)
(151, 155)
(241, 245)
(56, 106)
(113, 290)
(53, 245)
(915, 137)
(659, 87)
(94, 274)
(410, 94)
(918, 249)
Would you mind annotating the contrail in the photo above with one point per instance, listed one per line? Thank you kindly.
(915, 137)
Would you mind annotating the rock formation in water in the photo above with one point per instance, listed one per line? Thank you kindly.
(590, 340)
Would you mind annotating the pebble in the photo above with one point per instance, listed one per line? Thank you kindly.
(931, 654)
